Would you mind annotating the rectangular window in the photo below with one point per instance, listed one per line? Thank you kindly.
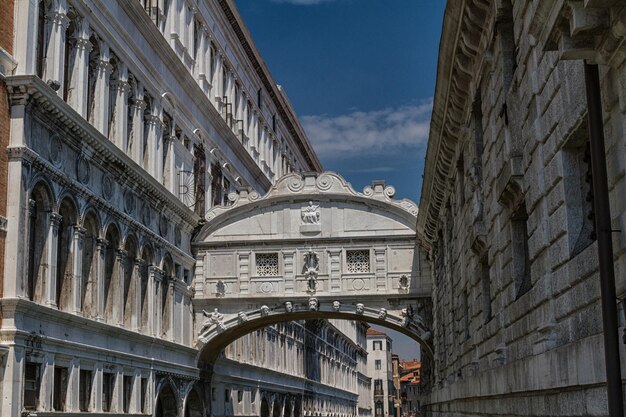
(32, 383)
(266, 264)
(84, 389)
(358, 261)
(259, 98)
(239, 396)
(378, 364)
(377, 345)
(59, 393)
(226, 395)
(144, 392)
(486, 289)
(578, 184)
(128, 389)
(519, 241)
(108, 380)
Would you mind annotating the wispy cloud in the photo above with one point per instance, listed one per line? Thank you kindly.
(302, 2)
(386, 131)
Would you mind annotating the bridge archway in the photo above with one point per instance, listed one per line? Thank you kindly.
(311, 248)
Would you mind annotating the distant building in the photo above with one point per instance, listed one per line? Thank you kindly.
(380, 370)
(410, 390)
(397, 401)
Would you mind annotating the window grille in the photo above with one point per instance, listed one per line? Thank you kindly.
(358, 261)
(267, 264)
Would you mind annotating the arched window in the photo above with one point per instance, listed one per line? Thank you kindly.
(276, 409)
(193, 405)
(148, 261)
(39, 227)
(166, 405)
(111, 274)
(69, 56)
(89, 278)
(113, 77)
(130, 284)
(41, 36)
(265, 410)
(65, 254)
(130, 108)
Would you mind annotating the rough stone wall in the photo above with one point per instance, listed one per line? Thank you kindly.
(504, 347)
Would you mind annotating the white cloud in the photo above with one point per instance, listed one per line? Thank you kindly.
(386, 131)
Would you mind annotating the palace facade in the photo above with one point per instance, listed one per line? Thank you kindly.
(129, 120)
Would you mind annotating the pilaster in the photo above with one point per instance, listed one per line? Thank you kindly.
(77, 85)
(77, 268)
(100, 116)
(52, 249)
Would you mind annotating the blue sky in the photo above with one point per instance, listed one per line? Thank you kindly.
(360, 75)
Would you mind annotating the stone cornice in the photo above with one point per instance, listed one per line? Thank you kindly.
(311, 186)
(279, 99)
(41, 94)
(465, 28)
(217, 132)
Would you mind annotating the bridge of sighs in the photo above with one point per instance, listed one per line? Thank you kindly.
(311, 248)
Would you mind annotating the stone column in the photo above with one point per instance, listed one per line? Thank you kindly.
(26, 15)
(101, 247)
(119, 303)
(47, 383)
(137, 110)
(155, 301)
(220, 81)
(120, 89)
(201, 58)
(96, 389)
(155, 149)
(117, 399)
(100, 117)
(54, 60)
(12, 380)
(77, 268)
(73, 386)
(52, 248)
(135, 396)
(136, 316)
(77, 94)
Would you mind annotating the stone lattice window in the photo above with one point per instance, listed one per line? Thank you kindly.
(358, 261)
(267, 264)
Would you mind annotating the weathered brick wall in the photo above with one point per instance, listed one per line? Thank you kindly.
(6, 42)
(540, 353)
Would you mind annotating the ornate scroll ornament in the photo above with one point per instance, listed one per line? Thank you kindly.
(129, 202)
(265, 310)
(310, 214)
(214, 318)
(220, 288)
(107, 186)
(313, 304)
(242, 317)
(311, 270)
(55, 154)
(288, 307)
(404, 282)
(382, 313)
(83, 170)
(360, 308)
(336, 305)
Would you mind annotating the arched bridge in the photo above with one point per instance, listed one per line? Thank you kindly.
(311, 248)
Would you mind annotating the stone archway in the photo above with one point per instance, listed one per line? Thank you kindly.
(311, 248)
(265, 409)
(166, 404)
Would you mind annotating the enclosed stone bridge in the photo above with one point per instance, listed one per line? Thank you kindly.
(311, 248)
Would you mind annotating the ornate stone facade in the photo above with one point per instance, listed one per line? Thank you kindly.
(129, 121)
(506, 207)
